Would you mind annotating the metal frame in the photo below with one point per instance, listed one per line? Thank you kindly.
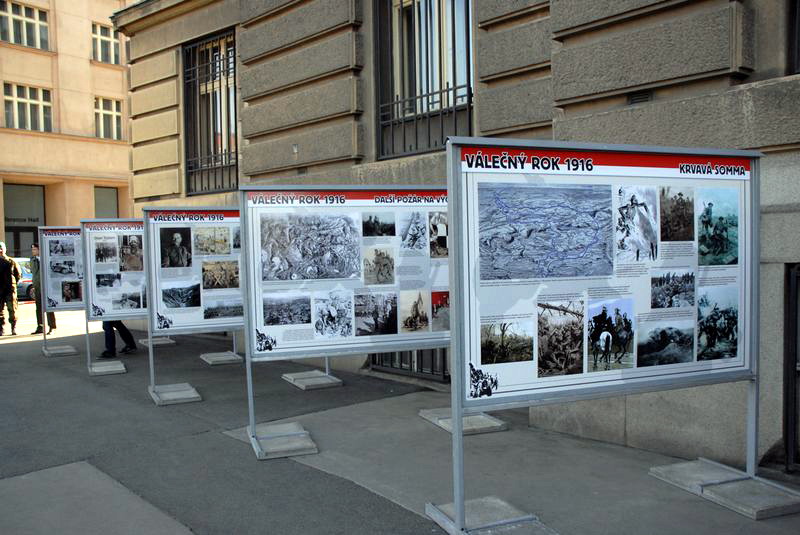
(151, 290)
(44, 259)
(459, 287)
(244, 218)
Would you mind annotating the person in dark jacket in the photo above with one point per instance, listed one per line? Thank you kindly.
(36, 275)
(9, 276)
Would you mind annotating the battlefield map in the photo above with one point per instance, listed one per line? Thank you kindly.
(532, 231)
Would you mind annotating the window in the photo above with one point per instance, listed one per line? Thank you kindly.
(105, 44)
(107, 118)
(106, 203)
(210, 114)
(424, 79)
(28, 108)
(23, 25)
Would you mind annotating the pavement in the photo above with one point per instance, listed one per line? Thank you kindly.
(86, 455)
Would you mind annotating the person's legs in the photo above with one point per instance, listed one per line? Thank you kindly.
(12, 312)
(2, 313)
(51, 321)
(39, 319)
(111, 339)
(125, 334)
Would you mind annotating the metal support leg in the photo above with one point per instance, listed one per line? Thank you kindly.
(752, 427)
(459, 517)
(233, 335)
(88, 347)
(152, 360)
(327, 366)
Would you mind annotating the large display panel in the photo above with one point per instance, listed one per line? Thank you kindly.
(114, 260)
(588, 271)
(192, 257)
(61, 253)
(344, 270)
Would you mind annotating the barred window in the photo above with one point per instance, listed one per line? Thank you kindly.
(105, 44)
(107, 118)
(28, 108)
(424, 78)
(209, 74)
(24, 25)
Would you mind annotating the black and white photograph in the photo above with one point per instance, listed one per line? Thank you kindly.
(220, 274)
(636, 231)
(176, 247)
(108, 280)
(677, 213)
(333, 314)
(181, 294)
(310, 246)
(237, 237)
(287, 308)
(505, 342)
(211, 241)
(717, 322)
(413, 231)
(71, 291)
(374, 224)
(62, 247)
(672, 288)
(611, 334)
(230, 307)
(437, 227)
(130, 253)
(560, 338)
(62, 267)
(664, 343)
(531, 231)
(105, 250)
(378, 265)
(414, 311)
(717, 226)
(127, 301)
(376, 314)
(440, 311)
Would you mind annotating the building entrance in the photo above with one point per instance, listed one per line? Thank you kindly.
(791, 373)
(23, 212)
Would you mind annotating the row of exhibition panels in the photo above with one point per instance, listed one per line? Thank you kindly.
(323, 271)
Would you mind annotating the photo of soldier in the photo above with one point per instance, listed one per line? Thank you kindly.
(130, 253)
(64, 247)
(378, 265)
(718, 227)
(677, 213)
(71, 291)
(220, 274)
(437, 225)
(413, 311)
(378, 224)
(105, 250)
(440, 311)
(413, 231)
(672, 288)
(176, 247)
(376, 314)
(333, 314)
(127, 301)
(718, 323)
(611, 334)
(560, 338)
(211, 241)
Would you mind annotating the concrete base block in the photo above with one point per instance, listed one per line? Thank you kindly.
(215, 359)
(173, 394)
(274, 441)
(158, 341)
(312, 380)
(754, 498)
(108, 367)
(474, 424)
(59, 351)
(692, 476)
(487, 515)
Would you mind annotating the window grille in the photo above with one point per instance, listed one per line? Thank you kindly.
(27, 108)
(209, 73)
(424, 363)
(105, 44)
(107, 118)
(24, 25)
(424, 74)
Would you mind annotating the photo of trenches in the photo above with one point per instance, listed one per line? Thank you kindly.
(665, 343)
(560, 337)
(671, 288)
(299, 246)
(286, 309)
(506, 342)
(529, 231)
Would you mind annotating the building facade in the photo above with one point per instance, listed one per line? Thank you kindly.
(63, 123)
(225, 92)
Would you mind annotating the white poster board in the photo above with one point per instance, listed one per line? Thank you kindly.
(61, 251)
(341, 270)
(192, 258)
(587, 271)
(114, 260)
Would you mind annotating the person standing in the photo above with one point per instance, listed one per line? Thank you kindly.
(9, 276)
(36, 275)
(111, 340)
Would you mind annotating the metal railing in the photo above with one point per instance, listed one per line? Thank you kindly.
(424, 363)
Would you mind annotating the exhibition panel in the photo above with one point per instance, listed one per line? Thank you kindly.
(593, 269)
(342, 270)
(61, 268)
(193, 269)
(116, 288)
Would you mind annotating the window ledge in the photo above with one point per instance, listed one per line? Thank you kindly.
(57, 135)
(112, 66)
(24, 48)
